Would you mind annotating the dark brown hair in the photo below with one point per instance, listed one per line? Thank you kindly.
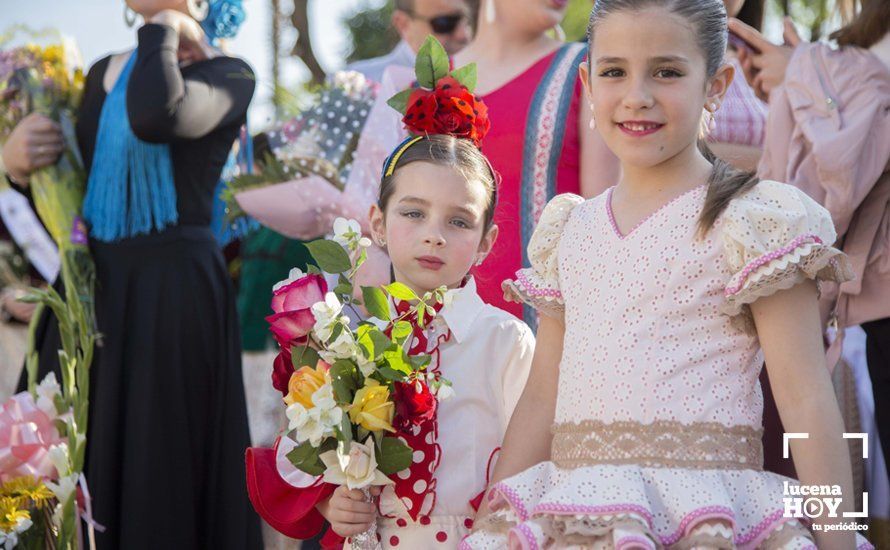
(752, 13)
(708, 19)
(866, 22)
(445, 150)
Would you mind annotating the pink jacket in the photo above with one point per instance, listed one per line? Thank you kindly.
(828, 133)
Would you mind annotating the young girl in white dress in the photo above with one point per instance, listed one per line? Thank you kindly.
(434, 217)
(640, 426)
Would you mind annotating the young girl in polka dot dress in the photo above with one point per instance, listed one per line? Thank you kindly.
(640, 425)
(435, 219)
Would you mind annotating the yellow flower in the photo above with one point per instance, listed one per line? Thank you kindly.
(26, 491)
(10, 515)
(304, 382)
(371, 408)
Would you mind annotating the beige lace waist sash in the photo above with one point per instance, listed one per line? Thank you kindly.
(662, 444)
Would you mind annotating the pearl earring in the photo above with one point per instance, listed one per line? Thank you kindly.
(592, 122)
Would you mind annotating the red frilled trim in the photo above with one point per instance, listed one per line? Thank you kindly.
(286, 508)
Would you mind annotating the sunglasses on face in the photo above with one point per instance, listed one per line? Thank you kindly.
(441, 24)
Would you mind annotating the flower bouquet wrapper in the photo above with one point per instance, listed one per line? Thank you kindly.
(317, 146)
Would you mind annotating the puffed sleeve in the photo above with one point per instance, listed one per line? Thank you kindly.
(538, 285)
(517, 366)
(284, 499)
(775, 237)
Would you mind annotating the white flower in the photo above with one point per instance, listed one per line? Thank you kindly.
(58, 455)
(347, 233)
(326, 314)
(9, 540)
(47, 390)
(448, 297)
(443, 392)
(64, 488)
(344, 347)
(316, 423)
(356, 469)
(22, 525)
(365, 366)
(294, 275)
(351, 82)
(364, 242)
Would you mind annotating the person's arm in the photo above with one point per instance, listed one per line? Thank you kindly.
(528, 438)
(165, 106)
(789, 329)
(598, 165)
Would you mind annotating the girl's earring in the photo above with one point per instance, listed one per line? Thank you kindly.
(490, 11)
(198, 9)
(592, 123)
(712, 122)
(129, 16)
(479, 261)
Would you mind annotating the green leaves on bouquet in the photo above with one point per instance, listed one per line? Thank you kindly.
(393, 455)
(376, 302)
(330, 256)
(305, 457)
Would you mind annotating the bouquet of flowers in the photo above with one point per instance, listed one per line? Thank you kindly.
(38, 489)
(48, 80)
(320, 142)
(351, 391)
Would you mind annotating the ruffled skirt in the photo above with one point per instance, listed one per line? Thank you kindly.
(628, 506)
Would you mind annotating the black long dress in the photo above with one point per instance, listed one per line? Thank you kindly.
(168, 423)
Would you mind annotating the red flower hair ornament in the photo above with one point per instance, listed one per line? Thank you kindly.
(443, 101)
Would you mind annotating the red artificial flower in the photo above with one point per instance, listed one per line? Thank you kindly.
(448, 109)
(413, 406)
(282, 369)
(420, 116)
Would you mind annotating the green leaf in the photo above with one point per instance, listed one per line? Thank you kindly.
(419, 362)
(400, 291)
(303, 356)
(343, 290)
(343, 380)
(401, 331)
(304, 457)
(344, 431)
(399, 102)
(432, 63)
(421, 310)
(373, 341)
(390, 374)
(330, 256)
(313, 269)
(466, 75)
(338, 329)
(376, 302)
(398, 360)
(393, 455)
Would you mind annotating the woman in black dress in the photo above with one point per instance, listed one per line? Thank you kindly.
(168, 424)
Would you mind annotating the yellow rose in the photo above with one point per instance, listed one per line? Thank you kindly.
(371, 408)
(304, 382)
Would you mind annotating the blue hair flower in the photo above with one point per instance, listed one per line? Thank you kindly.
(224, 19)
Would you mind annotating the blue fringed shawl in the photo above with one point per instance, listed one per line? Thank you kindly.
(130, 190)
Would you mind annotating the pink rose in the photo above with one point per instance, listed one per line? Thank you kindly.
(292, 303)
